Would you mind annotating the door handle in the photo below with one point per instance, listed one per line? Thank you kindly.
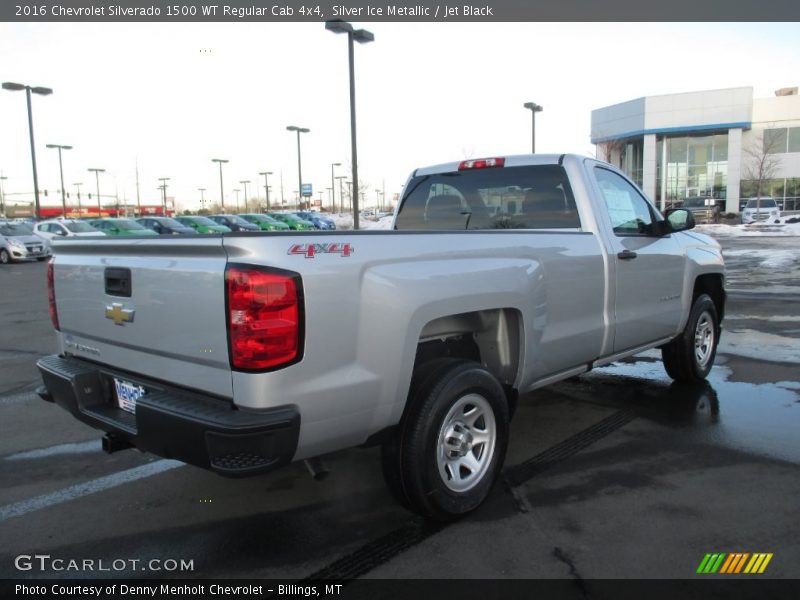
(626, 255)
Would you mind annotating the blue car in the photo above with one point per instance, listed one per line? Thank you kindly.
(319, 220)
(234, 223)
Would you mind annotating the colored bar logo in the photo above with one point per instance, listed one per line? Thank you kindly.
(734, 563)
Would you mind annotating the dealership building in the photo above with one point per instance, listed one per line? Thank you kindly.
(706, 144)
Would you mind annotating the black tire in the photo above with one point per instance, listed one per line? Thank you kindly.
(689, 357)
(42, 258)
(5, 257)
(433, 464)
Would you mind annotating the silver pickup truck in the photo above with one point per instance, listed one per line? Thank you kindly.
(243, 352)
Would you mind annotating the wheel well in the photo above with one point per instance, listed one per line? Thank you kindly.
(490, 337)
(711, 284)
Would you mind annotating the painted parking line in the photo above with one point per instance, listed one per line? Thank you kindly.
(79, 490)
(59, 450)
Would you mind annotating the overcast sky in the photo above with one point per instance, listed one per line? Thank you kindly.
(173, 96)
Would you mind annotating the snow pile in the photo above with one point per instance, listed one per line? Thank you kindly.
(759, 230)
(345, 221)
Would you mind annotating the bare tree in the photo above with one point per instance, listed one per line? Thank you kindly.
(610, 147)
(761, 161)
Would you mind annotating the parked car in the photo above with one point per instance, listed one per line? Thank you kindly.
(294, 222)
(266, 223)
(319, 220)
(761, 210)
(17, 242)
(65, 228)
(446, 324)
(202, 224)
(165, 226)
(704, 210)
(120, 227)
(234, 223)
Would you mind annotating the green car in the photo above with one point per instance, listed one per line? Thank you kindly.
(120, 227)
(202, 224)
(266, 223)
(293, 221)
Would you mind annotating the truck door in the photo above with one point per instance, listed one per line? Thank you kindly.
(648, 269)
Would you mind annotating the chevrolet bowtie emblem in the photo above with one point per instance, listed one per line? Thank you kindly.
(119, 315)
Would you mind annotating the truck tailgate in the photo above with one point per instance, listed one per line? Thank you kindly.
(152, 307)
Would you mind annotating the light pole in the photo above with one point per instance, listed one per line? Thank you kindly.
(78, 186)
(42, 91)
(221, 193)
(163, 188)
(2, 197)
(61, 147)
(97, 182)
(341, 192)
(333, 187)
(237, 200)
(299, 130)
(244, 183)
(362, 36)
(202, 199)
(266, 174)
(534, 108)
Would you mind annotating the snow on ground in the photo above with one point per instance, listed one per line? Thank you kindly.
(760, 345)
(770, 259)
(345, 221)
(759, 230)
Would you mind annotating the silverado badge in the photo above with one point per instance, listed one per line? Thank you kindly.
(119, 315)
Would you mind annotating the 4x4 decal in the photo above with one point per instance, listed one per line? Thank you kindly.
(311, 250)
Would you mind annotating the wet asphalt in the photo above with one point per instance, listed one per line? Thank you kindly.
(618, 473)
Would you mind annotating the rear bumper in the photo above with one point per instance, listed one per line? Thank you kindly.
(174, 423)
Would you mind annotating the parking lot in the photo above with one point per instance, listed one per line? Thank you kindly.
(614, 474)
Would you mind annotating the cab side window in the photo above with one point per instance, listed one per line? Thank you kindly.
(629, 211)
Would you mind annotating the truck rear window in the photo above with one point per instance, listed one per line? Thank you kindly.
(529, 197)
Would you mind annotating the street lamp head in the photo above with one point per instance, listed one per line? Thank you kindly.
(97, 170)
(13, 87)
(62, 147)
(265, 173)
(42, 91)
(336, 164)
(362, 36)
(533, 106)
(219, 160)
(338, 26)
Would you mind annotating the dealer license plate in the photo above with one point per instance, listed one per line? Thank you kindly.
(128, 394)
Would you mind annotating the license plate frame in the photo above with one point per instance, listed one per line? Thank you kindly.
(127, 394)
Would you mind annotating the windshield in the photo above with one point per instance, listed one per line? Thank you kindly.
(170, 222)
(765, 203)
(12, 229)
(127, 225)
(198, 221)
(238, 220)
(80, 227)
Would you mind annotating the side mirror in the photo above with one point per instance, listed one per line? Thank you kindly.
(680, 219)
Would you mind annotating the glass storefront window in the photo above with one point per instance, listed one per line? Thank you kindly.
(794, 139)
(775, 140)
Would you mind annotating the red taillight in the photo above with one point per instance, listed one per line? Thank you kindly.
(51, 294)
(481, 163)
(264, 317)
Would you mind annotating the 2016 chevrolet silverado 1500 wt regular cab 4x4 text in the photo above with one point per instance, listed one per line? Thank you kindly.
(242, 352)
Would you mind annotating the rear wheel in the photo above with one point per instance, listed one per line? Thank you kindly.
(689, 357)
(450, 445)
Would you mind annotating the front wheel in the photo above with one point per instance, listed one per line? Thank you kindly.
(5, 257)
(451, 442)
(689, 357)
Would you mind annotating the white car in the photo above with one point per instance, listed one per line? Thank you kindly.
(61, 228)
(761, 210)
